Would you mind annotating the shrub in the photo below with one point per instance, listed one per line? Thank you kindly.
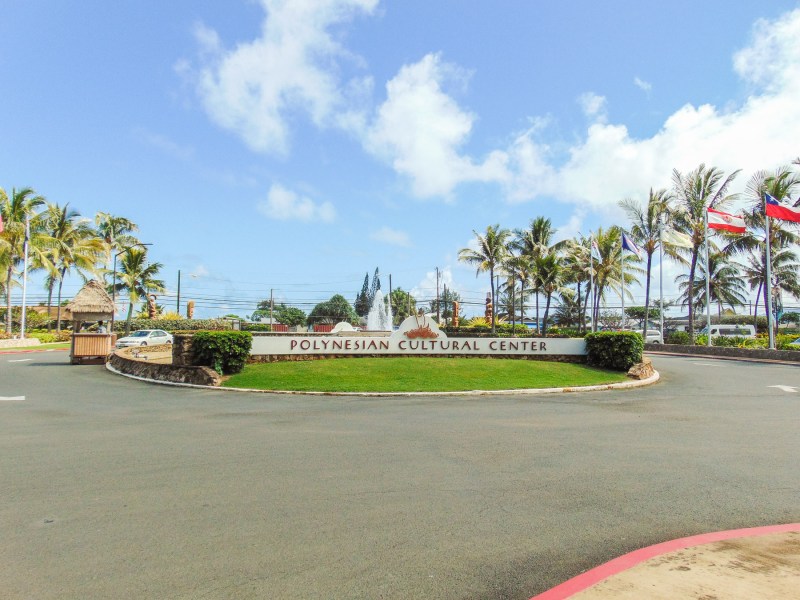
(224, 351)
(256, 327)
(174, 324)
(618, 350)
(679, 337)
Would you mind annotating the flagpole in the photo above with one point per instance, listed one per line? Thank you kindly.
(661, 274)
(25, 277)
(591, 281)
(622, 281)
(708, 288)
(768, 283)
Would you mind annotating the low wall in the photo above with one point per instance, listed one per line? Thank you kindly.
(124, 362)
(17, 343)
(785, 355)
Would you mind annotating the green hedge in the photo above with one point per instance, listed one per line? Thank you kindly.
(618, 350)
(224, 351)
(175, 324)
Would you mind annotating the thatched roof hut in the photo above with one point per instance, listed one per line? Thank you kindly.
(92, 303)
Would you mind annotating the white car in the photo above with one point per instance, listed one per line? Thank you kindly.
(145, 337)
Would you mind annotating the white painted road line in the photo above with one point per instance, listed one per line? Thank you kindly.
(21, 360)
(786, 388)
(706, 364)
(11, 398)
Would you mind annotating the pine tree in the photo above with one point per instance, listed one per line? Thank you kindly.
(362, 302)
(376, 285)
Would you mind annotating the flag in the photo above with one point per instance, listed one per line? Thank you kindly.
(676, 238)
(595, 251)
(627, 244)
(722, 220)
(781, 210)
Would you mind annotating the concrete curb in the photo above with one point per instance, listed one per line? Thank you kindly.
(628, 561)
(769, 361)
(536, 391)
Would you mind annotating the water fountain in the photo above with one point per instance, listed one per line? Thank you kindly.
(380, 314)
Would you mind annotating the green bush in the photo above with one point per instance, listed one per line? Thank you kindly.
(680, 338)
(618, 350)
(256, 327)
(175, 324)
(224, 351)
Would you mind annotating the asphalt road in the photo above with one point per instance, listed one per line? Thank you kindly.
(111, 488)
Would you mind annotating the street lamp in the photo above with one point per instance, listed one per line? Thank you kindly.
(114, 282)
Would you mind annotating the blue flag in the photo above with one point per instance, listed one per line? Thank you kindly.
(628, 245)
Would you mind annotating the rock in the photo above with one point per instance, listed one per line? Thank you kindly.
(642, 370)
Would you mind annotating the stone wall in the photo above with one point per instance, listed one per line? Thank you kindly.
(785, 355)
(182, 350)
(124, 362)
(17, 343)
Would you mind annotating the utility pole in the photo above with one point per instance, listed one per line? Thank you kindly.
(390, 298)
(437, 296)
(271, 306)
(444, 299)
(178, 304)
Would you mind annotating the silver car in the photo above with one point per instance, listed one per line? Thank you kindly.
(145, 337)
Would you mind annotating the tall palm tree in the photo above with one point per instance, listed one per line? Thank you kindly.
(74, 245)
(520, 271)
(534, 242)
(577, 271)
(16, 209)
(725, 284)
(646, 231)
(785, 269)
(137, 278)
(492, 248)
(116, 232)
(549, 273)
(783, 182)
(608, 270)
(695, 192)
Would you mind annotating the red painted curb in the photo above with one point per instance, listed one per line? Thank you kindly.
(33, 350)
(627, 561)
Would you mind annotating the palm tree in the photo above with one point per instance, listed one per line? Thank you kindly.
(74, 245)
(780, 184)
(137, 278)
(608, 269)
(577, 267)
(725, 284)
(785, 270)
(549, 273)
(533, 242)
(490, 252)
(520, 270)
(646, 231)
(116, 233)
(17, 209)
(696, 192)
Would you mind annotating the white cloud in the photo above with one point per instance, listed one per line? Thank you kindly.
(425, 290)
(643, 85)
(285, 205)
(593, 106)
(390, 236)
(252, 88)
(610, 164)
(419, 130)
(164, 144)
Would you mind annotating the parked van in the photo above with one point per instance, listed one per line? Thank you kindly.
(745, 331)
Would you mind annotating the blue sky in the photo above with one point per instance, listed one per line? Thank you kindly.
(294, 146)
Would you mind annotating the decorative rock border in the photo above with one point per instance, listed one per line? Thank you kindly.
(124, 362)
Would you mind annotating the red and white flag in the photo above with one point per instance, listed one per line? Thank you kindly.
(721, 220)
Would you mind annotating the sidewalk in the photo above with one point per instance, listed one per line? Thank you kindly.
(762, 562)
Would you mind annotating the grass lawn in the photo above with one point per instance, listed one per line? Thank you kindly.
(418, 374)
(54, 346)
